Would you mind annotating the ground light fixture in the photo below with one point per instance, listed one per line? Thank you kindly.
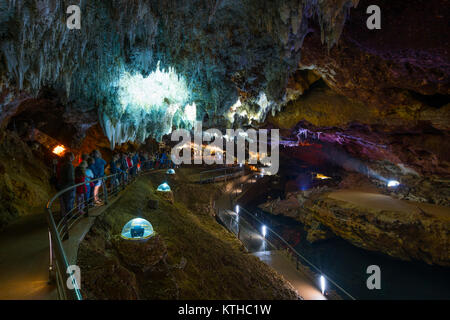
(393, 183)
(322, 284)
(170, 171)
(264, 231)
(164, 187)
(137, 229)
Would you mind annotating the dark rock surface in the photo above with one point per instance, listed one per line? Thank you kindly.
(371, 221)
(190, 256)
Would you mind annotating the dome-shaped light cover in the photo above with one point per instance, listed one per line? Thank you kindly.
(170, 171)
(163, 187)
(137, 229)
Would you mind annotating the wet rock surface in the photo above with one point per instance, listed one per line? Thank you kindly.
(24, 179)
(410, 235)
(371, 220)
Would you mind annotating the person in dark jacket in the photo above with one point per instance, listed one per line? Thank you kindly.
(99, 172)
(135, 160)
(114, 168)
(67, 179)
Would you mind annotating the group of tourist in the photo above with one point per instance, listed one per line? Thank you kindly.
(92, 166)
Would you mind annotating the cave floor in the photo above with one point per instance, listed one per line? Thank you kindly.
(24, 260)
(385, 202)
(281, 264)
(24, 255)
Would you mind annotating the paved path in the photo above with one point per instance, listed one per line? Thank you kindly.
(24, 259)
(256, 244)
(24, 255)
(281, 264)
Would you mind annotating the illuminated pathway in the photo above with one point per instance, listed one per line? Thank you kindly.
(24, 258)
(280, 263)
(257, 245)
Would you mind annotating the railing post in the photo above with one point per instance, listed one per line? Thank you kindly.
(50, 266)
(239, 230)
(66, 229)
(86, 203)
(105, 191)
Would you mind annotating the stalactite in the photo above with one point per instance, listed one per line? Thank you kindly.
(259, 39)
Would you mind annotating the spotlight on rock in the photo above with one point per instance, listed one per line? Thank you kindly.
(163, 187)
(322, 176)
(59, 150)
(137, 229)
(393, 183)
(170, 171)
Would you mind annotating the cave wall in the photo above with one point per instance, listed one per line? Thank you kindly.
(224, 48)
(382, 95)
(24, 179)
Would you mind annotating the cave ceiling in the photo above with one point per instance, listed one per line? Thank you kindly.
(238, 62)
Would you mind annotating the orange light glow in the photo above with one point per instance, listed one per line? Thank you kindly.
(322, 176)
(59, 150)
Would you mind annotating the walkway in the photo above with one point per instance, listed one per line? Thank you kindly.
(24, 254)
(281, 264)
(257, 245)
(24, 258)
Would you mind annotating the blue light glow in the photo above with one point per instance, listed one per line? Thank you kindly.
(393, 183)
(160, 89)
(137, 229)
(148, 106)
(170, 171)
(322, 284)
(264, 231)
(164, 187)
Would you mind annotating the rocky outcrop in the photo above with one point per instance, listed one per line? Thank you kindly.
(189, 257)
(24, 179)
(403, 229)
(384, 95)
(140, 255)
(411, 235)
(293, 207)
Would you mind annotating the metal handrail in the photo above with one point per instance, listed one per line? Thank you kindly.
(221, 169)
(225, 175)
(317, 269)
(58, 258)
